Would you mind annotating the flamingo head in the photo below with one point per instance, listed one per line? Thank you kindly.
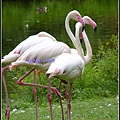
(89, 21)
(75, 15)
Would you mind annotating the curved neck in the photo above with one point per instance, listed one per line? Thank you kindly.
(77, 42)
(88, 56)
(69, 32)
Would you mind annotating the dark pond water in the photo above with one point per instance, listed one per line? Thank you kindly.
(21, 19)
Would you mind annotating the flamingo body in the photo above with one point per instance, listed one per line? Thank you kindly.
(42, 55)
(69, 66)
(23, 46)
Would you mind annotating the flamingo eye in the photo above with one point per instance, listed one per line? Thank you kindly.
(64, 72)
(77, 15)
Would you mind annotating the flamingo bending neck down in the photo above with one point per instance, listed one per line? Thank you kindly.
(45, 51)
(70, 66)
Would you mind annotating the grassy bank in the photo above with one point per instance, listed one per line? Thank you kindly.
(89, 109)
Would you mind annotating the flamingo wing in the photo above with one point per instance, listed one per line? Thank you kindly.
(42, 55)
(23, 46)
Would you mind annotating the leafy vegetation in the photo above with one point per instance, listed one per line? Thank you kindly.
(100, 77)
(99, 80)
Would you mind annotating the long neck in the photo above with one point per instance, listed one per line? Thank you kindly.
(88, 48)
(78, 44)
(69, 32)
(74, 40)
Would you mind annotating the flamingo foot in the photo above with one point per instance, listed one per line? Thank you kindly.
(7, 113)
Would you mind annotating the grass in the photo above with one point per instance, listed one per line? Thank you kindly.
(89, 109)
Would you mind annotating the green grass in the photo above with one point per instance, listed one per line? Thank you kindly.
(89, 109)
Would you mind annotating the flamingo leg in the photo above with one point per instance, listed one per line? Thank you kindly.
(59, 88)
(50, 98)
(19, 82)
(61, 101)
(68, 102)
(70, 91)
(56, 92)
(35, 95)
(70, 96)
(7, 113)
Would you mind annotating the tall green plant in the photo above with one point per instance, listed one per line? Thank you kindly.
(100, 77)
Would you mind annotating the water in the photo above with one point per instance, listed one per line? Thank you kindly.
(20, 20)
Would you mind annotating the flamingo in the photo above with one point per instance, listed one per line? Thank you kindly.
(68, 66)
(87, 20)
(34, 55)
(16, 53)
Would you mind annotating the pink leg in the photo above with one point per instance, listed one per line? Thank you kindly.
(70, 97)
(70, 90)
(35, 95)
(60, 86)
(7, 114)
(50, 99)
(68, 102)
(61, 101)
(56, 92)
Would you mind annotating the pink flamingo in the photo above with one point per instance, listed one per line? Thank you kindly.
(87, 20)
(16, 53)
(68, 66)
(46, 50)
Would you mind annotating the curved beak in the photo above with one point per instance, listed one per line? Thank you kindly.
(95, 29)
(81, 37)
(81, 41)
(83, 28)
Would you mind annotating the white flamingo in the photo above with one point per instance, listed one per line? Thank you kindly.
(68, 67)
(87, 20)
(16, 53)
(38, 55)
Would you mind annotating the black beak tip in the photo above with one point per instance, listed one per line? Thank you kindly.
(81, 41)
(83, 29)
(95, 29)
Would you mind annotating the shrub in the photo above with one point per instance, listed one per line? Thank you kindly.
(100, 77)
